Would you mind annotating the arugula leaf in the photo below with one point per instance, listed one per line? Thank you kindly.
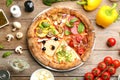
(73, 20)
(68, 25)
(1, 46)
(75, 79)
(9, 2)
(67, 32)
(6, 54)
(81, 28)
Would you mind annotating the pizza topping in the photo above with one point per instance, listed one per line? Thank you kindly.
(67, 32)
(44, 48)
(56, 39)
(43, 41)
(81, 28)
(53, 47)
(45, 24)
(66, 53)
(73, 20)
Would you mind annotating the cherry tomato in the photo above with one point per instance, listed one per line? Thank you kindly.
(89, 76)
(80, 50)
(78, 38)
(102, 66)
(108, 60)
(111, 70)
(116, 63)
(111, 42)
(106, 76)
(98, 78)
(96, 71)
(71, 43)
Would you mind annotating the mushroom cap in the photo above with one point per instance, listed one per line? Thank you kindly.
(19, 35)
(10, 35)
(17, 25)
(18, 47)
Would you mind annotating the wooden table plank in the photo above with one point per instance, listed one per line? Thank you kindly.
(100, 49)
(95, 58)
(57, 78)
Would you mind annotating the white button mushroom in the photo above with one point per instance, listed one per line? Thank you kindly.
(19, 35)
(9, 37)
(16, 25)
(19, 49)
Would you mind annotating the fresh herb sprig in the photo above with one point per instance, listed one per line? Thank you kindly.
(9, 2)
(50, 2)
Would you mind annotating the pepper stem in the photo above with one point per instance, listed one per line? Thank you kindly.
(82, 2)
(113, 7)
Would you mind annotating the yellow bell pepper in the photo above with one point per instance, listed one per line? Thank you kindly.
(89, 5)
(106, 15)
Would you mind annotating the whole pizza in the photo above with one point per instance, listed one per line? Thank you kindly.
(61, 38)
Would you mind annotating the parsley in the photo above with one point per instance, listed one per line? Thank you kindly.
(9, 2)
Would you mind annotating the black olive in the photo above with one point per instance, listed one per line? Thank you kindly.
(29, 6)
(53, 47)
(56, 39)
(43, 41)
(44, 48)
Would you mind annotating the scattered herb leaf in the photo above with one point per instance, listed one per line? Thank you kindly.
(1, 46)
(50, 2)
(81, 27)
(45, 24)
(73, 20)
(67, 32)
(75, 79)
(9, 2)
(68, 25)
(6, 54)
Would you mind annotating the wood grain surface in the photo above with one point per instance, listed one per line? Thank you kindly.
(100, 50)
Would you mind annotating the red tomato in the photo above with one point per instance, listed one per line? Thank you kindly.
(96, 71)
(106, 76)
(78, 38)
(98, 78)
(111, 70)
(116, 63)
(89, 76)
(102, 66)
(80, 50)
(71, 43)
(111, 42)
(108, 60)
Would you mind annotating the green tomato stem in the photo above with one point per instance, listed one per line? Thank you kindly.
(82, 2)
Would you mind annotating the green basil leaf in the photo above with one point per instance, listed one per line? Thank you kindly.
(73, 20)
(9, 2)
(67, 32)
(81, 28)
(68, 25)
(1, 46)
(45, 24)
(75, 79)
(6, 54)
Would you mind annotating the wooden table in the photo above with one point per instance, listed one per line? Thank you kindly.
(100, 49)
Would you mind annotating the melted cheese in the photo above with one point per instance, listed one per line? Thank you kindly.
(48, 46)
